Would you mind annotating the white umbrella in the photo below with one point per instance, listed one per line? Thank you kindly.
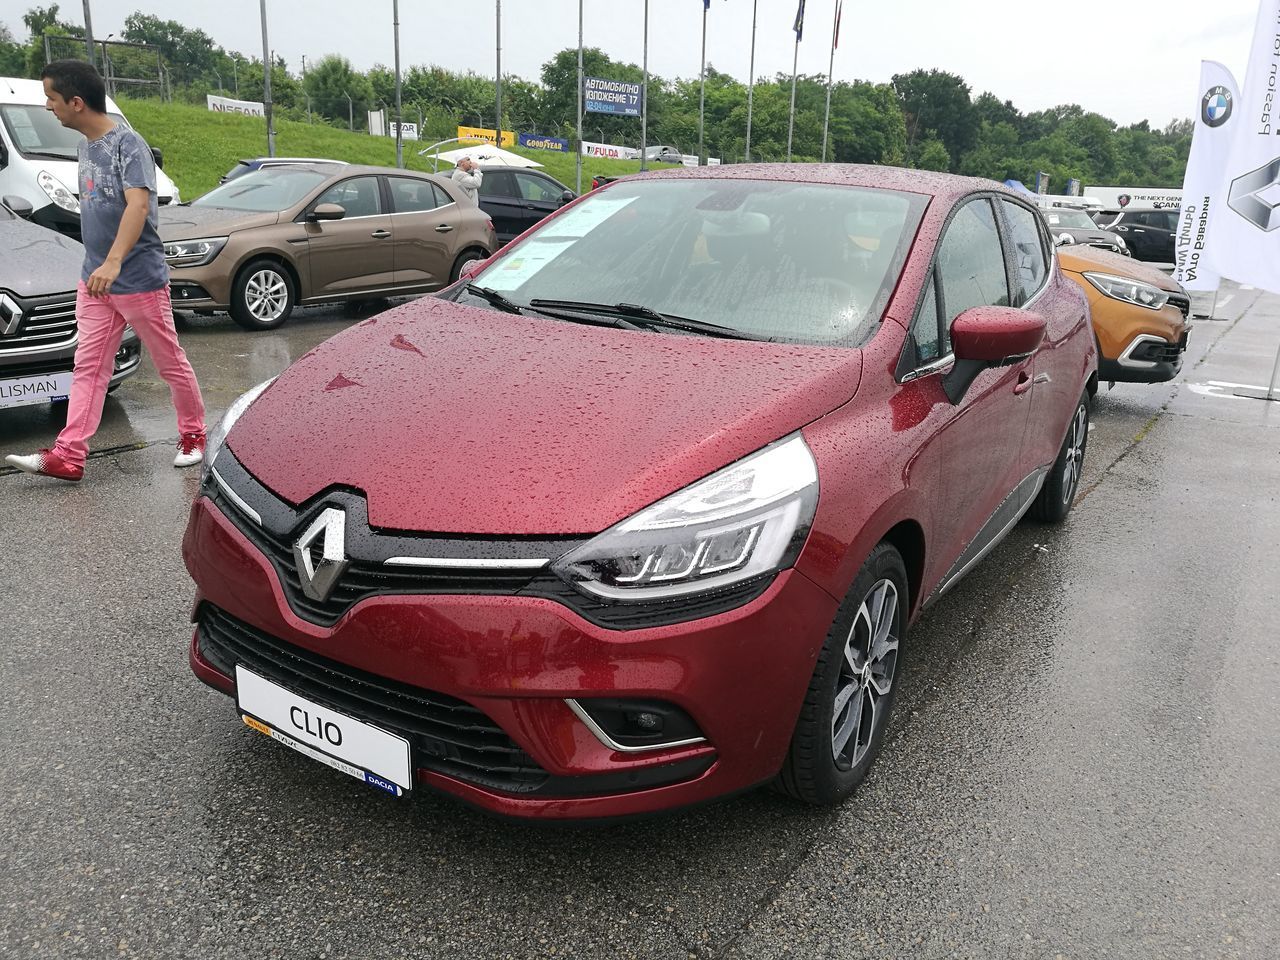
(487, 155)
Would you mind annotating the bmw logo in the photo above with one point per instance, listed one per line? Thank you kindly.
(1215, 108)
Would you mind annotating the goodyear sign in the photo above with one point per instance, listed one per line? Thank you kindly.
(535, 142)
(508, 136)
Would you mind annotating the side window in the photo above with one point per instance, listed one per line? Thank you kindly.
(1028, 252)
(971, 268)
(535, 188)
(498, 183)
(359, 196)
(1171, 220)
(411, 196)
(442, 197)
(926, 329)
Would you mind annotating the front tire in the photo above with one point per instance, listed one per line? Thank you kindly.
(263, 296)
(850, 698)
(463, 259)
(1054, 501)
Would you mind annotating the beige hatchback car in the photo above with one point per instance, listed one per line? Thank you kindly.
(305, 233)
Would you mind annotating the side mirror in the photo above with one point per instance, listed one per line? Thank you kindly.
(158, 157)
(327, 211)
(470, 269)
(567, 197)
(1063, 240)
(989, 337)
(21, 206)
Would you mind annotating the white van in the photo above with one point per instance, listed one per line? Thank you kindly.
(38, 157)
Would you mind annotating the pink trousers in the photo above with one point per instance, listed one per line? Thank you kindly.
(101, 322)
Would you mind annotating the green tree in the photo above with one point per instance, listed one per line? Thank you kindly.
(933, 156)
(937, 105)
(12, 55)
(189, 54)
(329, 82)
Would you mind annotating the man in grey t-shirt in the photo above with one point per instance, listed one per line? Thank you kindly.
(125, 279)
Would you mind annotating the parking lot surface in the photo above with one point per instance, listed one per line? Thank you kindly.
(1084, 761)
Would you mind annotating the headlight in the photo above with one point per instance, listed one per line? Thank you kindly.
(1130, 291)
(218, 436)
(1120, 243)
(58, 192)
(1065, 238)
(749, 519)
(193, 253)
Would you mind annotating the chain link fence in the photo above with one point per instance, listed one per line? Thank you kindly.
(134, 69)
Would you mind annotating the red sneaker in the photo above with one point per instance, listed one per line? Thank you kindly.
(190, 450)
(46, 463)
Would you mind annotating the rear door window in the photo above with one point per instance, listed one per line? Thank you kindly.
(409, 195)
(499, 183)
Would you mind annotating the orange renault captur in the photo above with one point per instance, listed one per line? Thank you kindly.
(1140, 314)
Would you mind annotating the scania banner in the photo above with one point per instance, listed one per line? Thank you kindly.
(227, 105)
(535, 142)
(1217, 118)
(1246, 232)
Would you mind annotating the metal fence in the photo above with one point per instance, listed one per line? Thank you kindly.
(136, 69)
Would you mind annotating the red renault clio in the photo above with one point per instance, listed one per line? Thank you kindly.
(638, 513)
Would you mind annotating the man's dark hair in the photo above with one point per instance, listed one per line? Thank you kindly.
(76, 78)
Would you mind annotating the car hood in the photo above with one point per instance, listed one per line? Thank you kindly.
(1081, 259)
(1081, 235)
(188, 223)
(36, 262)
(462, 420)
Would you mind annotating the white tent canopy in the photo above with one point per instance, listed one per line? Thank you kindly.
(487, 155)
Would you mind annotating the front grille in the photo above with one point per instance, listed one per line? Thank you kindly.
(447, 735)
(47, 322)
(1160, 352)
(1182, 303)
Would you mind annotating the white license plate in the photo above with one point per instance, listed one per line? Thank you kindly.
(359, 749)
(21, 391)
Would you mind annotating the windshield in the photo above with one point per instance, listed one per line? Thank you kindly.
(794, 262)
(269, 190)
(37, 133)
(1070, 219)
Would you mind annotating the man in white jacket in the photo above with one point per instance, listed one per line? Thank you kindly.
(468, 176)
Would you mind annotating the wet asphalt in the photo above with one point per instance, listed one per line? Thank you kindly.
(1084, 761)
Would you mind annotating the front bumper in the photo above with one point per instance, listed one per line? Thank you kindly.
(509, 664)
(1137, 345)
(201, 288)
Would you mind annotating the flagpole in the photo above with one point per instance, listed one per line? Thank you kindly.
(644, 106)
(751, 81)
(791, 124)
(702, 94)
(498, 74)
(826, 120)
(579, 162)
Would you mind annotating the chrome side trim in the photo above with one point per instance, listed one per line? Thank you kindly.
(994, 541)
(467, 563)
(236, 498)
(612, 744)
(940, 364)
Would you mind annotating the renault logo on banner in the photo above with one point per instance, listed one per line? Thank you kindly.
(319, 574)
(1247, 196)
(10, 316)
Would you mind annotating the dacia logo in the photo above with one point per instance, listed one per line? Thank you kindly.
(1247, 196)
(10, 315)
(320, 571)
(1216, 107)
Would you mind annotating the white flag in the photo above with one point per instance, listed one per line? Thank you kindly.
(1202, 191)
(1246, 232)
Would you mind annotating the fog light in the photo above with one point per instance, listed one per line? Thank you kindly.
(645, 722)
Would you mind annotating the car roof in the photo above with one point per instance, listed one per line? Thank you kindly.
(31, 93)
(263, 161)
(944, 186)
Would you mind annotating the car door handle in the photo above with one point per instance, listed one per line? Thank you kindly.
(1024, 382)
(380, 234)
(530, 206)
(444, 228)
(1139, 230)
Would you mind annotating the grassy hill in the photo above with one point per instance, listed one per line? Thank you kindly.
(199, 146)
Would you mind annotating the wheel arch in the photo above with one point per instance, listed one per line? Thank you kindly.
(907, 537)
(276, 257)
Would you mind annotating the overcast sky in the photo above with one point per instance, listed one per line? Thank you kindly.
(1127, 59)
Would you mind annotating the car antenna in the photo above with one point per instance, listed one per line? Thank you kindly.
(12, 91)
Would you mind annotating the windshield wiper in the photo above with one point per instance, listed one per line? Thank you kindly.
(46, 155)
(651, 317)
(493, 298)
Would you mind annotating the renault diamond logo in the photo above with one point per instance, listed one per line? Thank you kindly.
(1247, 196)
(319, 575)
(10, 316)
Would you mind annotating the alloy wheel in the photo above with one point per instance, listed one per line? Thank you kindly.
(266, 295)
(866, 675)
(1074, 464)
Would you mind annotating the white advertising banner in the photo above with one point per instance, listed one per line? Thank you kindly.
(1246, 241)
(1135, 198)
(609, 150)
(1217, 118)
(408, 131)
(227, 105)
